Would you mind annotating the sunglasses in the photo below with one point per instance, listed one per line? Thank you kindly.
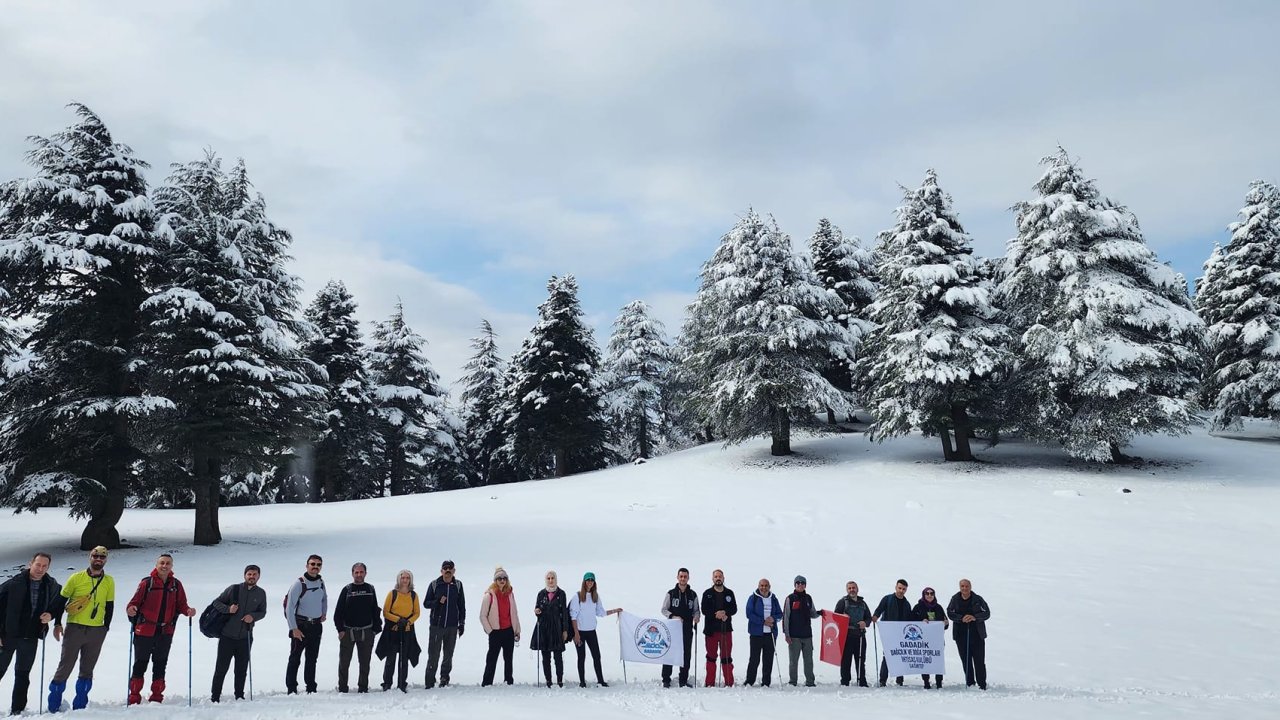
(929, 593)
(501, 578)
(98, 557)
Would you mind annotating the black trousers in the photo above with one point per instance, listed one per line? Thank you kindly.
(503, 641)
(440, 638)
(686, 629)
(310, 645)
(762, 646)
(973, 655)
(154, 649)
(855, 649)
(25, 649)
(558, 652)
(589, 640)
(229, 650)
(358, 642)
(397, 660)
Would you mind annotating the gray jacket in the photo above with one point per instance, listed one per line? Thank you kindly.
(307, 598)
(252, 601)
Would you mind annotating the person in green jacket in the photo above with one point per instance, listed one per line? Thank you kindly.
(91, 603)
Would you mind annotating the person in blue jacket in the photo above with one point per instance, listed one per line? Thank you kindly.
(764, 612)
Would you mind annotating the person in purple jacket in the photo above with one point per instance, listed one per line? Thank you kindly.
(928, 610)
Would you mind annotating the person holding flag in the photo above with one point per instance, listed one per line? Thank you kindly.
(681, 603)
(584, 610)
(855, 645)
(797, 625)
(928, 610)
(894, 607)
(763, 614)
(91, 603)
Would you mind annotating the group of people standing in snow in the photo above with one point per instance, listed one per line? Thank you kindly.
(32, 602)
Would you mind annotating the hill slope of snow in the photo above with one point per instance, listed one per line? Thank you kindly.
(1161, 601)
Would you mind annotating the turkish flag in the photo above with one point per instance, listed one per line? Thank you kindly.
(835, 628)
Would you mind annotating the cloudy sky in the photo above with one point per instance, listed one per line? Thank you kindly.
(456, 154)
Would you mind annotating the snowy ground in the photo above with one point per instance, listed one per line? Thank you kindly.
(1161, 602)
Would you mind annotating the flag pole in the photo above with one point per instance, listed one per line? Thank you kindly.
(620, 657)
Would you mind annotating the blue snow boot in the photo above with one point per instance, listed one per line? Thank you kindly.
(81, 700)
(56, 689)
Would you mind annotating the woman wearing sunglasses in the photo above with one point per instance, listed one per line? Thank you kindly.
(501, 622)
(929, 610)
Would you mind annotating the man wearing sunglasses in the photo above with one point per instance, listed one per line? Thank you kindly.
(305, 608)
(91, 603)
(448, 609)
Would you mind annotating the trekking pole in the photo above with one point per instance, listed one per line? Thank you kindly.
(968, 656)
(250, 641)
(129, 668)
(694, 641)
(189, 654)
(875, 639)
(42, 646)
(777, 662)
(537, 667)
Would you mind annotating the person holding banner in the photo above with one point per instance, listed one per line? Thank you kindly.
(719, 606)
(970, 614)
(929, 610)
(894, 607)
(552, 609)
(763, 614)
(501, 622)
(584, 609)
(797, 625)
(681, 603)
(855, 644)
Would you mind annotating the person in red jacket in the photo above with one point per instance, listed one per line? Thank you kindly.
(154, 610)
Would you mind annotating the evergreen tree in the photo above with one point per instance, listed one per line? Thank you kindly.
(636, 369)
(348, 457)
(1240, 301)
(76, 249)
(482, 393)
(222, 338)
(555, 421)
(418, 429)
(759, 333)
(936, 351)
(1110, 346)
(846, 269)
(1211, 307)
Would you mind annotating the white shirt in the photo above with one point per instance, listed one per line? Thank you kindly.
(585, 612)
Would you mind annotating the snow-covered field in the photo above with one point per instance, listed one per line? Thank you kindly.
(1163, 602)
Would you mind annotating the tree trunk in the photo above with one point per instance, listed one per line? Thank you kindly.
(397, 466)
(706, 429)
(207, 486)
(781, 431)
(1117, 456)
(562, 461)
(642, 435)
(831, 416)
(107, 510)
(960, 421)
(947, 453)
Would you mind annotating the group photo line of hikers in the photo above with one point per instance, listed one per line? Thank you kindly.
(33, 603)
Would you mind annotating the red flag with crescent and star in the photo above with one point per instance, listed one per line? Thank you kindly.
(835, 628)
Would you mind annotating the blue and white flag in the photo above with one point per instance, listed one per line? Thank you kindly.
(913, 648)
(650, 639)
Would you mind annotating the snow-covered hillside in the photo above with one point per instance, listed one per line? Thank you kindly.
(1161, 602)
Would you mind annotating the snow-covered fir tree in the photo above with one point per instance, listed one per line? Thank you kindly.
(1241, 304)
(222, 338)
(76, 251)
(1109, 344)
(348, 458)
(1211, 307)
(483, 381)
(419, 431)
(846, 269)
(936, 352)
(758, 335)
(555, 421)
(637, 365)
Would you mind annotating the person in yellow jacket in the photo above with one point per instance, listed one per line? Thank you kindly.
(400, 641)
(91, 602)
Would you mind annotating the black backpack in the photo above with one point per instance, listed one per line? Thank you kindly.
(212, 620)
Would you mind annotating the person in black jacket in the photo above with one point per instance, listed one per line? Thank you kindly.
(358, 619)
(928, 610)
(719, 606)
(554, 626)
(797, 624)
(969, 613)
(246, 603)
(681, 603)
(894, 608)
(855, 642)
(29, 602)
(448, 607)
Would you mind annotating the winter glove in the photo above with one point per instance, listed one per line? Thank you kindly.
(459, 631)
(402, 624)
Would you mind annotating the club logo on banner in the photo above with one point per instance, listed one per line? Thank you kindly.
(650, 640)
(913, 648)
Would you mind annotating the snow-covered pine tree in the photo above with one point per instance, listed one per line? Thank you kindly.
(76, 251)
(483, 378)
(222, 338)
(847, 270)
(1211, 307)
(349, 457)
(936, 352)
(637, 365)
(1109, 344)
(418, 429)
(758, 335)
(1241, 304)
(555, 422)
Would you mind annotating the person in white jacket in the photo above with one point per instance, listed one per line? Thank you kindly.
(584, 610)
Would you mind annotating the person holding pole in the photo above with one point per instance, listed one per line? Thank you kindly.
(894, 607)
(764, 612)
(154, 610)
(855, 643)
(681, 603)
(358, 618)
(501, 622)
(246, 603)
(554, 625)
(969, 614)
(400, 643)
(584, 610)
(448, 611)
(719, 606)
(90, 604)
(29, 602)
